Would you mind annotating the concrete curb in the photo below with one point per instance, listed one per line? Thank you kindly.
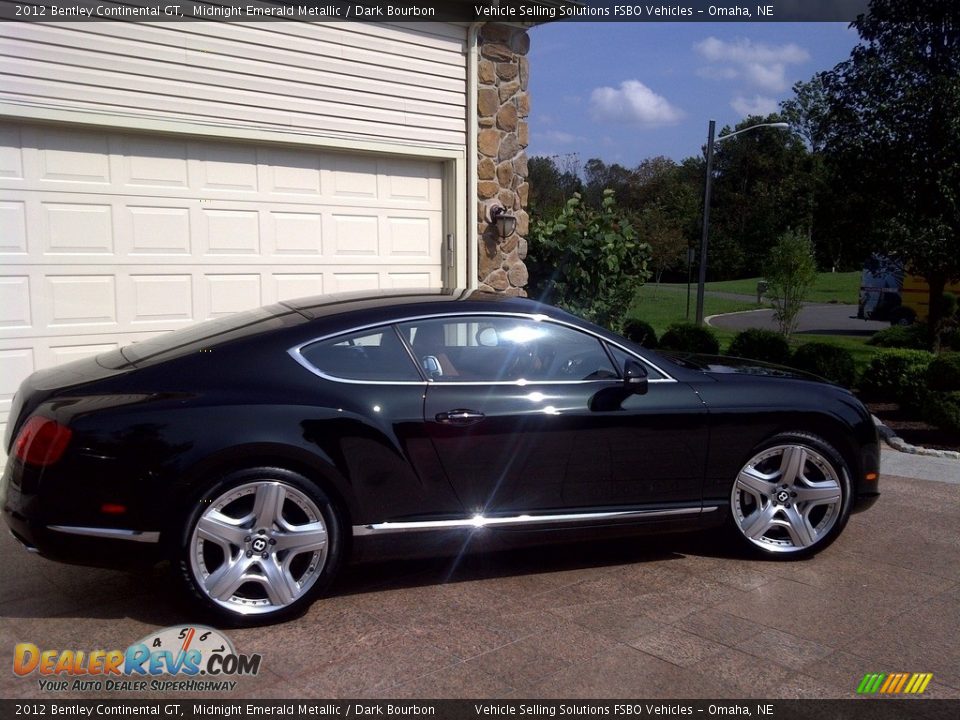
(898, 443)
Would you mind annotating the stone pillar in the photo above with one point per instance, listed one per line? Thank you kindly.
(502, 109)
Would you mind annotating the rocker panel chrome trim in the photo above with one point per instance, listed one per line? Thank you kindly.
(479, 521)
(111, 533)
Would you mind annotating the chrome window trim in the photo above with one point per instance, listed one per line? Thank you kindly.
(296, 352)
(111, 533)
(479, 521)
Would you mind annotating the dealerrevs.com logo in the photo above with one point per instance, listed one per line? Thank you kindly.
(198, 658)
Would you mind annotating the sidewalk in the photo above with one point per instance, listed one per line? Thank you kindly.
(921, 467)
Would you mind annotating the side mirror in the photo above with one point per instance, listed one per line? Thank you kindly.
(635, 377)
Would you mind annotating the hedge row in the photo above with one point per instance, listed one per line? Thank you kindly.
(903, 372)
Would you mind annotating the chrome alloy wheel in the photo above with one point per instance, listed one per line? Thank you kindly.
(787, 498)
(258, 547)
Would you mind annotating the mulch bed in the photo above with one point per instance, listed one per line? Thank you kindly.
(912, 429)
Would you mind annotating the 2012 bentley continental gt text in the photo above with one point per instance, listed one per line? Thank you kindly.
(257, 452)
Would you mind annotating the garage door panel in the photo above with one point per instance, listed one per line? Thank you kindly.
(155, 231)
(15, 302)
(11, 155)
(227, 293)
(110, 238)
(13, 227)
(156, 298)
(77, 228)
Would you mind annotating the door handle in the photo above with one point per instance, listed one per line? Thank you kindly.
(459, 417)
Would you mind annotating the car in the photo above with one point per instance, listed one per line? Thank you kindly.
(260, 451)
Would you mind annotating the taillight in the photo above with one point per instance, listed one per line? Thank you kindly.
(42, 441)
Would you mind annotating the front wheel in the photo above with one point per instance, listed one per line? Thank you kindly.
(259, 545)
(792, 498)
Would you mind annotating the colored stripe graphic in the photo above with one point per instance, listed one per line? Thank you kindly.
(894, 683)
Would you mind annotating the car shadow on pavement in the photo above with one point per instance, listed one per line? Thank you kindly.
(44, 589)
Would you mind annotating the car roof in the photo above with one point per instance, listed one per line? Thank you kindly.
(457, 299)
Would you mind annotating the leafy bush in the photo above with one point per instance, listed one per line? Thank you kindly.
(828, 361)
(943, 410)
(951, 339)
(898, 375)
(588, 261)
(688, 337)
(913, 337)
(758, 344)
(790, 271)
(944, 372)
(640, 332)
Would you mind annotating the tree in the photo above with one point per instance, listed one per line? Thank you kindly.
(588, 260)
(764, 185)
(790, 272)
(808, 111)
(601, 177)
(551, 185)
(895, 105)
(668, 246)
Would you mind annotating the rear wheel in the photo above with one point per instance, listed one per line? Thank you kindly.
(902, 316)
(792, 498)
(261, 543)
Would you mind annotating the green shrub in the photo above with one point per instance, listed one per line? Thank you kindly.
(640, 332)
(943, 410)
(913, 337)
(828, 361)
(898, 375)
(757, 344)
(951, 339)
(944, 372)
(688, 337)
(588, 260)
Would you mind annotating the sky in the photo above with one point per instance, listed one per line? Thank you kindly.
(624, 92)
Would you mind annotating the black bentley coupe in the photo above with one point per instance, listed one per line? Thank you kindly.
(259, 451)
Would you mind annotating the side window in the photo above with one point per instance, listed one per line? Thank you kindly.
(502, 349)
(620, 357)
(369, 355)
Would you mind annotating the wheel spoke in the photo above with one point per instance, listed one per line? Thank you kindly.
(225, 580)
(268, 504)
(754, 482)
(792, 464)
(758, 522)
(818, 494)
(223, 530)
(302, 538)
(799, 528)
(279, 583)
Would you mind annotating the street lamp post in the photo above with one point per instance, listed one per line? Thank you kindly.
(707, 187)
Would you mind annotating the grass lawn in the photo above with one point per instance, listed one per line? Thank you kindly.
(661, 308)
(828, 287)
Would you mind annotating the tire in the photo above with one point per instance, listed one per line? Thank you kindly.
(903, 317)
(243, 562)
(792, 497)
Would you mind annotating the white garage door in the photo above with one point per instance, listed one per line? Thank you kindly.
(106, 238)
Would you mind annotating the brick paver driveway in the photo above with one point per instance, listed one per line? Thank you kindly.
(650, 617)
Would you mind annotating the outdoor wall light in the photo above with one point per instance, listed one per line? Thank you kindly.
(506, 222)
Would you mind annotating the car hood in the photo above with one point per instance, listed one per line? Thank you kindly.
(720, 366)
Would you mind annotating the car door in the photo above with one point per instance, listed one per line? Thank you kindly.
(509, 409)
(658, 441)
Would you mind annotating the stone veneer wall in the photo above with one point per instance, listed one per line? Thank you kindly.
(502, 108)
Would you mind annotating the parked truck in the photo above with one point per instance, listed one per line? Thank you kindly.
(889, 292)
